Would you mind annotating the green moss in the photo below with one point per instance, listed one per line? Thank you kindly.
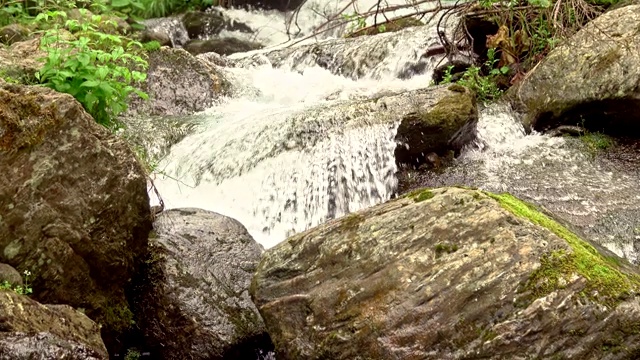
(450, 112)
(117, 318)
(443, 248)
(420, 194)
(606, 283)
(597, 141)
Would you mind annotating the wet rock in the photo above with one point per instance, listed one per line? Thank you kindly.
(159, 36)
(204, 24)
(74, 209)
(282, 5)
(9, 274)
(172, 26)
(391, 26)
(591, 80)
(194, 301)
(30, 330)
(454, 69)
(222, 46)
(446, 273)
(366, 56)
(13, 33)
(433, 126)
(178, 84)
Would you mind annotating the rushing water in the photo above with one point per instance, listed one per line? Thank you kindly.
(294, 146)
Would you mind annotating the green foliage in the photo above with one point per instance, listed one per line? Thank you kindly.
(95, 68)
(596, 141)
(151, 46)
(19, 289)
(485, 86)
(356, 22)
(132, 354)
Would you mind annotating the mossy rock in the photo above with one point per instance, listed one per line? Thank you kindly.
(444, 272)
(431, 128)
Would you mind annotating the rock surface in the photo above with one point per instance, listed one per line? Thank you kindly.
(13, 33)
(178, 84)
(222, 46)
(592, 78)
(30, 330)
(446, 273)
(201, 24)
(74, 209)
(9, 274)
(194, 301)
(432, 127)
(282, 5)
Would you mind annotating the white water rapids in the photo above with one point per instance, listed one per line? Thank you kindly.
(286, 152)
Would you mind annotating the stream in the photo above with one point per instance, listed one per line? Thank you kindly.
(293, 147)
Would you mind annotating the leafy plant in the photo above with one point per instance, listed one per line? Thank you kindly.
(19, 289)
(95, 68)
(355, 21)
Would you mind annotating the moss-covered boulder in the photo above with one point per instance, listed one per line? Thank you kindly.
(178, 84)
(222, 46)
(30, 330)
(432, 126)
(447, 273)
(74, 208)
(193, 300)
(591, 79)
(20, 61)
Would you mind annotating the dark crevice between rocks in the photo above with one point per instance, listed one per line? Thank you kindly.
(616, 118)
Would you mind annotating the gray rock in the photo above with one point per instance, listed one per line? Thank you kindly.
(74, 208)
(222, 46)
(30, 330)
(9, 274)
(194, 301)
(591, 79)
(201, 24)
(178, 84)
(159, 36)
(437, 126)
(13, 33)
(447, 273)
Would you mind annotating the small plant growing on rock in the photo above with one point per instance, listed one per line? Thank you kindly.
(19, 289)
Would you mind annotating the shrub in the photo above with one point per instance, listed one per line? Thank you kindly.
(97, 69)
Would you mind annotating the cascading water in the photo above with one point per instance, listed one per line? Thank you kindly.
(295, 145)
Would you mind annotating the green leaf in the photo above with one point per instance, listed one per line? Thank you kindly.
(120, 3)
(90, 83)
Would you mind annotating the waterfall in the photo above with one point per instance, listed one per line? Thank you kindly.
(298, 144)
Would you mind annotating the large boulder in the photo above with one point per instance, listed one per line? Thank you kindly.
(432, 127)
(30, 330)
(193, 301)
(74, 209)
(447, 273)
(222, 46)
(201, 24)
(178, 84)
(591, 79)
